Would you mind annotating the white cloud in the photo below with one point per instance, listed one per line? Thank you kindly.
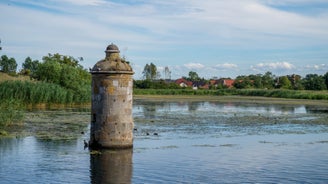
(225, 66)
(317, 67)
(294, 2)
(273, 66)
(195, 66)
(85, 2)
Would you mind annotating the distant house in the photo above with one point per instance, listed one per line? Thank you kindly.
(214, 82)
(183, 83)
(200, 85)
(228, 82)
(223, 82)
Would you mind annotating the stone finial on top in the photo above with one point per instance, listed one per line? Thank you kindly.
(112, 48)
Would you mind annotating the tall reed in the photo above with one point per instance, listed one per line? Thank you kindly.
(11, 111)
(42, 92)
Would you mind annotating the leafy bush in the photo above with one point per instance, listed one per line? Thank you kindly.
(62, 70)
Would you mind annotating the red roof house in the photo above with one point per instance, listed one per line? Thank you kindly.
(228, 82)
(183, 82)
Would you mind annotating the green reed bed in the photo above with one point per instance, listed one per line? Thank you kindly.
(42, 92)
(11, 112)
(16, 96)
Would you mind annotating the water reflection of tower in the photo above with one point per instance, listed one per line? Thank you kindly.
(193, 106)
(149, 109)
(111, 166)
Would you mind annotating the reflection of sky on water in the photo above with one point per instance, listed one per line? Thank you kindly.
(29, 160)
(219, 108)
(223, 119)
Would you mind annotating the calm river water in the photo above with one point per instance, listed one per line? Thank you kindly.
(186, 142)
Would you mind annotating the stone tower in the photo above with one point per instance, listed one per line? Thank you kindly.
(111, 107)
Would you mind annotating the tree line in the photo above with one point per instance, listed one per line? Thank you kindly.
(68, 73)
(152, 80)
(293, 82)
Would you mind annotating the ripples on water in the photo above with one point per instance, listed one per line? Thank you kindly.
(197, 142)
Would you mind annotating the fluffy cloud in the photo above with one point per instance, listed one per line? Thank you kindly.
(195, 66)
(226, 66)
(275, 66)
(85, 2)
(317, 67)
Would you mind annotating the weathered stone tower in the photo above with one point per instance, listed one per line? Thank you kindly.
(111, 108)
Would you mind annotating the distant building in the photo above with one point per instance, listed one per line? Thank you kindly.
(228, 82)
(183, 83)
(223, 82)
(214, 82)
(200, 85)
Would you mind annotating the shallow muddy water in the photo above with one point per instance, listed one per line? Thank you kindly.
(183, 142)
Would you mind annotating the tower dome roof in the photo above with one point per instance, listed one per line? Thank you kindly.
(112, 62)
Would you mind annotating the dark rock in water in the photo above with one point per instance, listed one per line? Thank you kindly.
(147, 133)
(155, 133)
(135, 129)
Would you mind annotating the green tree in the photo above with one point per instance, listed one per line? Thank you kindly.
(314, 82)
(326, 79)
(8, 65)
(62, 59)
(257, 80)
(30, 66)
(268, 80)
(167, 73)
(296, 81)
(284, 83)
(150, 72)
(49, 71)
(242, 82)
(62, 70)
(193, 76)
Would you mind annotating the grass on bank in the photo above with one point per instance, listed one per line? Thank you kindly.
(6, 77)
(276, 93)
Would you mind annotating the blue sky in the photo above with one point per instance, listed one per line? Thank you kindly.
(221, 38)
